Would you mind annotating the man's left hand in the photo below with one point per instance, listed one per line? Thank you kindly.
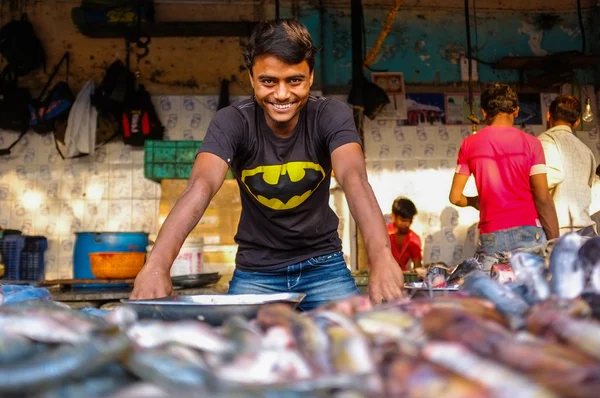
(385, 282)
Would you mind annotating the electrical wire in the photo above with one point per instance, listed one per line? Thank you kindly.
(471, 117)
(322, 43)
(581, 27)
(476, 28)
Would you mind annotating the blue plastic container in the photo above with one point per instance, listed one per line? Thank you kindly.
(23, 256)
(98, 242)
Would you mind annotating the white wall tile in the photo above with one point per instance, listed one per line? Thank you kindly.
(143, 188)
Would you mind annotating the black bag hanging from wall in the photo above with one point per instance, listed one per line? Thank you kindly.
(114, 91)
(48, 110)
(14, 107)
(20, 47)
(140, 121)
(14, 102)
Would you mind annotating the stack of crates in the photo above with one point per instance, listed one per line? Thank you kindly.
(171, 160)
(23, 257)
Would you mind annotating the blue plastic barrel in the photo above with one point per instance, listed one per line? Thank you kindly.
(95, 242)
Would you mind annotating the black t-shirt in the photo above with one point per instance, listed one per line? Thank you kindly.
(284, 182)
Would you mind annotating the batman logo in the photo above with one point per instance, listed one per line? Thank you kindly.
(284, 186)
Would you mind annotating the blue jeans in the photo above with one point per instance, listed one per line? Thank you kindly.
(507, 240)
(323, 279)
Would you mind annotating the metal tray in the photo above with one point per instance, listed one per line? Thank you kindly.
(195, 280)
(214, 309)
(416, 289)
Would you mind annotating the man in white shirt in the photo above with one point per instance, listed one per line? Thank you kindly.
(570, 165)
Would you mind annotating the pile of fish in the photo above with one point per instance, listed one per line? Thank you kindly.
(529, 338)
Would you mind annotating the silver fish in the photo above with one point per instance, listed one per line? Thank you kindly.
(266, 367)
(169, 367)
(396, 327)
(246, 338)
(146, 390)
(122, 316)
(502, 381)
(589, 255)
(106, 381)
(15, 348)
(529, 270)
(568, 275)
(193, 334)
(60, 364)
(43, 329)
(50, 322)
(349, 347)
(511, 306)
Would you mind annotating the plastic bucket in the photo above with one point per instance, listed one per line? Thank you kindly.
(190, 260)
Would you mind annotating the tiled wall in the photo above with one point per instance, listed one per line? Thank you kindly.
(419, 162)
(42, 194)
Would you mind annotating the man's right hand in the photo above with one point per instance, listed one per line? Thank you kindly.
(151, 283)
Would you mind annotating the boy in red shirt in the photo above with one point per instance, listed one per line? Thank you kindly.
(516, 209)
(405, 244)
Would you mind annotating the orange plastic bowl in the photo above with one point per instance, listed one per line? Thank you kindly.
(117, 265)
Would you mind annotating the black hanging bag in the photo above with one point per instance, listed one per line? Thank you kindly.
(20, 47)
(116, 88)
(51, 108)
(140, 121)
(14, 107)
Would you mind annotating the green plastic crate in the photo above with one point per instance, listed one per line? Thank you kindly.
(171, 160)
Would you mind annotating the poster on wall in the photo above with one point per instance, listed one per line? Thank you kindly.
(458, 109)
(393, 84)
(425, 109)
(530, 109)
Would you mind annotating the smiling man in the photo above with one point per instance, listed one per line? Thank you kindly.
(282, 145)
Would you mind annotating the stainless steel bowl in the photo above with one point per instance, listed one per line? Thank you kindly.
(214, 308)
(416, 289)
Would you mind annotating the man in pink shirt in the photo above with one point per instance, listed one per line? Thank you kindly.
(516, 209)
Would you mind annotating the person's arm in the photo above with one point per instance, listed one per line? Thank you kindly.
(544, 204)
(457, 197)
(460, 179)
(554, 167)
(385, 278)
(207, 176)
(225, 132)
(417, 262)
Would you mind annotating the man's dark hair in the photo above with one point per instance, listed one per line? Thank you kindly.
(404, 208)
(286, 39)
(497, 99)
(565, 108)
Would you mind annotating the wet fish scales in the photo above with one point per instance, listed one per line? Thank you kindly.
(511, 306)
(161, 366)
(529, 270)
(311, 340)
(566, 269)
(589, 255)
(502, 381)
(62, 363)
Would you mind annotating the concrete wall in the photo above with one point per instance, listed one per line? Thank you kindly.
(425, 42)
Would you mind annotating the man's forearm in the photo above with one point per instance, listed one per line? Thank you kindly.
(549, 220)
(182, 219)
(465, 201)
